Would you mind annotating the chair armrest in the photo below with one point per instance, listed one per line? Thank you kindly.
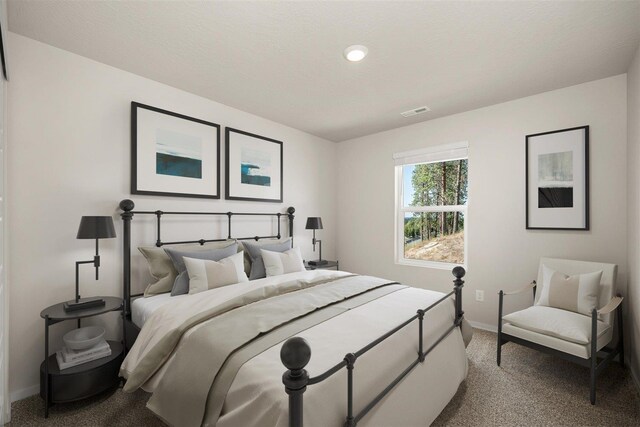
(526, 288)
(612, 305)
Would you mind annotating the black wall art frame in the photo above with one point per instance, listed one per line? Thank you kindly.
(557, 179)
(253, 167)
(173, 154)
(3, 58)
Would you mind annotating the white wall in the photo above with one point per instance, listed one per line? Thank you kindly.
(502, 253)
(633, 168)
(5, 406)
(70, 156)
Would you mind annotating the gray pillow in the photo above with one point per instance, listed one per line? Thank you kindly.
(161, 268)
(181, 284)
(257, 264)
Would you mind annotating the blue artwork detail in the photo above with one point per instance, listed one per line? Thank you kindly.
(254, 168)
(167, 164)
(246, 176)
(178, 154)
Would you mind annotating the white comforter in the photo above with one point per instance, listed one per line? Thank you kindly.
(257, 397)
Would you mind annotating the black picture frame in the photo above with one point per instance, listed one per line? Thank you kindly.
(134, 153)
(228, 142)
(3, 58)
(586, 179)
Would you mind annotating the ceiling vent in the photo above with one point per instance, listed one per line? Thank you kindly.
(415, 111)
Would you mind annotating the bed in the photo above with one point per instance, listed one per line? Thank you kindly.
(356, 350)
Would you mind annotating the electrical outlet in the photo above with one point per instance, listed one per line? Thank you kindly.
(480, 296)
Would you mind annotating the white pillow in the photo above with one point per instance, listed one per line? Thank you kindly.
(277, 263)
(206, 274)
(577, 293)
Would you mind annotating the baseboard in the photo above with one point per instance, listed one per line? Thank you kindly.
(25, 392)
(483, 326)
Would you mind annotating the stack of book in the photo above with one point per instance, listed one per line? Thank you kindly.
(69, 358)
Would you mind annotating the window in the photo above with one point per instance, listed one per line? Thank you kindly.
(431, 206)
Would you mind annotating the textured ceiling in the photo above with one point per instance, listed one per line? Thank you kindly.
(283, 60)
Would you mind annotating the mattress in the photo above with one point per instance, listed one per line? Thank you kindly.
(142, 308)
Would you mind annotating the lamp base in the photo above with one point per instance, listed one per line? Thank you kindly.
(83, 304)
(318, 262)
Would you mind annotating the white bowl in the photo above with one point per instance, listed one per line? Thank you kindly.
(82, 338)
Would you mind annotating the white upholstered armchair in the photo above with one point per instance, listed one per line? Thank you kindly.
(573, 302)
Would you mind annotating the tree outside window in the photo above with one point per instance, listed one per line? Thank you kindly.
(432, 211)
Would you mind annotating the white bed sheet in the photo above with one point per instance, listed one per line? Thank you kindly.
(142, 308)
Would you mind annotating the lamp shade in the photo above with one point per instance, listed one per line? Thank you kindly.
(96, 227)
(314, 223)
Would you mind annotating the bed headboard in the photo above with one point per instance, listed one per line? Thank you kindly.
(128, 213)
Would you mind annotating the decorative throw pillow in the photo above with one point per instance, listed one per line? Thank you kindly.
(252, 249)
(181, 284)
(161, 267)
(204, 275)
(247, 259)
(277, 263)
(577, 293)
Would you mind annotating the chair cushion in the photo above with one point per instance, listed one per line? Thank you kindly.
(578, 293)
(563, 324)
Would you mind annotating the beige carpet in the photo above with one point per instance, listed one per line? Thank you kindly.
(532, 388)
(529, 389)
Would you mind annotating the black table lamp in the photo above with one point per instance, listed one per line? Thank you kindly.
(91, 227)
(315, 223)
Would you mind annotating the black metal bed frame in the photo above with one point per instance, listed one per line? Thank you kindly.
(131, 331)
(296, 353)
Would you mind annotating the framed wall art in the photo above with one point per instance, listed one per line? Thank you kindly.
(253, 167)
(557, 179)
(173, 154)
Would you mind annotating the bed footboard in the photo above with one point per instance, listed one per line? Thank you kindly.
(296, 353)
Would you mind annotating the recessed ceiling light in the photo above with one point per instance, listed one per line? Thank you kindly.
(355, 53)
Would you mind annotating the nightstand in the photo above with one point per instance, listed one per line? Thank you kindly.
(328, 266)
(82, 381)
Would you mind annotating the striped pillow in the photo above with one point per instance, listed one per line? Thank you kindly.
(207, 274)
(277, 263)
(577, 293)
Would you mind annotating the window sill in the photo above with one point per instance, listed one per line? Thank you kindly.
(428, 264)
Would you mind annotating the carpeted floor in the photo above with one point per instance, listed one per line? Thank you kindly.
(530, 388)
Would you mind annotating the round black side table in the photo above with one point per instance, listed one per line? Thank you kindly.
(87, 379)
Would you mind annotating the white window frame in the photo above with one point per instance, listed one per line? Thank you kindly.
(436, 154)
